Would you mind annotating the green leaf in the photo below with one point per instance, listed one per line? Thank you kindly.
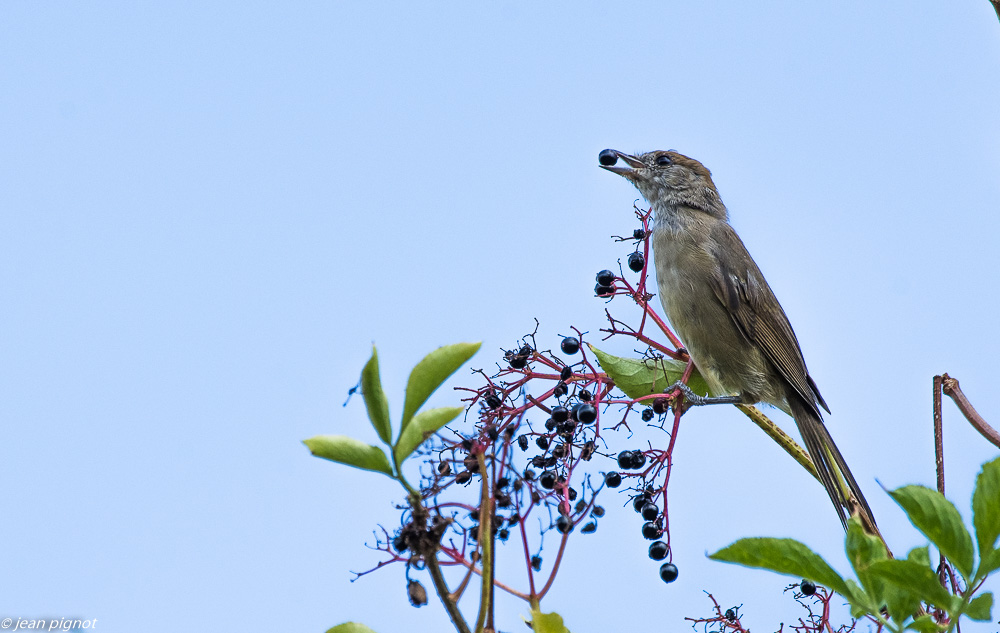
(920, 555)
(350, 627)
(925, 624)
(347, 450)
(989, 564)
(375, 402)
(980, 607)
(784, 556)
(429, 373)
(919, 581)
(986, 510)
(422, 426)
(547, 622)
(939, 521)
(861, 603)
(638, 377)
(864, 549)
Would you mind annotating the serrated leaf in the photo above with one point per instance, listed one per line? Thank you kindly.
(350, 627)
(939, 520)
(422, 426)
(784, 556)
(980, 608)
(925, 624)
(431, 372)
(986, 510)
(375, 402)
(347, 450)
(547, 622)
(916, 579)
(639, 377)
(920, 555)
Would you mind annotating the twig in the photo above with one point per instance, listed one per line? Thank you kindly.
(938, 435)
(952, 390)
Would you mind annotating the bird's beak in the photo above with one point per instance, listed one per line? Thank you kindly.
(632, 162)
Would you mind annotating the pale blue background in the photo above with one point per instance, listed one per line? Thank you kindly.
(209, 211)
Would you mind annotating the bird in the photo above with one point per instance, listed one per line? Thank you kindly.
(725, 313)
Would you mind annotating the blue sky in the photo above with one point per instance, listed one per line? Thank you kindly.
(210, 212)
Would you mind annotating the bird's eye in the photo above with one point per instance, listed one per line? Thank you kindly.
(663, 161)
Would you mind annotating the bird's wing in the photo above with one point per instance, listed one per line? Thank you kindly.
(746, 295)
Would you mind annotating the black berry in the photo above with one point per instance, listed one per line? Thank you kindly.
(638, 234)
(503, 534)
(638, 459)
(566, 373)
(590, 528)
(650, 531)
(659, 406)
(603, 291)
(612, 480)
(607, 157)
(586, 413)
(492, 401)
(668, 572)
(625, 460)
(647, 414)
(730, 614)
(585, 395)
(636, 261)
(536, 563)
(560, 414)
(658, 550)
(563, 524)
(649, 511)
(463, 477)
(559, 390)
(547, 479)
(523, 442)
(542, 442)
(518, 362)
(471, 464)
(570, 345)
(807, 588)
(550, 425)
(399, 543)
(639, 501)
(598, 511)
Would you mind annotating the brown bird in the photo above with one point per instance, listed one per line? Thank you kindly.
(725, 313)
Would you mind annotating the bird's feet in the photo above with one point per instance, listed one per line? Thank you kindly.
(696, 401)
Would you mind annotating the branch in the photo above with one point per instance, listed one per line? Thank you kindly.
(952, 390)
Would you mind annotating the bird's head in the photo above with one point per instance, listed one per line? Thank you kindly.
(667, 179)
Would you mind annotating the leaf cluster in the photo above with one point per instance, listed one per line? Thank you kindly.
(414, 428)
(899, 593)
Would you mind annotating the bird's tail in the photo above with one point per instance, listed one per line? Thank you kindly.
(831, 467)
